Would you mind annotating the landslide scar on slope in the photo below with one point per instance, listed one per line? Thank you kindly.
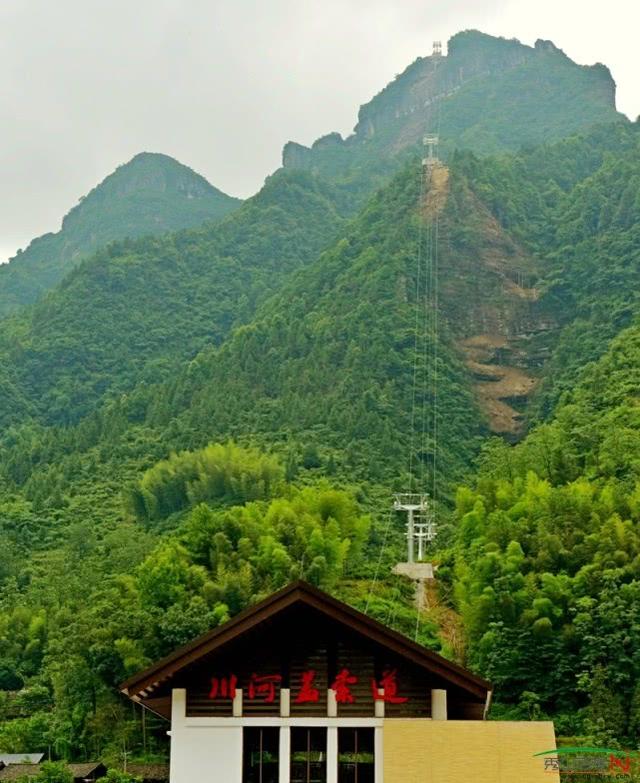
(435, 199)
(496, 385)
(489, 298)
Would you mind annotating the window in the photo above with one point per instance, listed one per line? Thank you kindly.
(260, 750)
(356, 756)
(308, 755)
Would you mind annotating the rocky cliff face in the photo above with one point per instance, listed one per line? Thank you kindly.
(432, 79)
(296, 156)
(465, 96)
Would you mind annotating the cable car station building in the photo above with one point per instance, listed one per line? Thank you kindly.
(302, 688)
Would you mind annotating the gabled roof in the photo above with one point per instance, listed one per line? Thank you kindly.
(140, 687)
(150, 773)
(79, 771)
(21, 758)
(19, 771)
(86, 769)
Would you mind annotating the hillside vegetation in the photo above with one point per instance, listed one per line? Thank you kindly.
(151, 194)
(189, 421)
(137, 308)
(547, 563)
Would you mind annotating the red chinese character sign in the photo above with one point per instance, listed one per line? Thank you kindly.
(308, 693)
(264, 687)
(389, 686)
(342, 687)
(622, 765)
(223, 687)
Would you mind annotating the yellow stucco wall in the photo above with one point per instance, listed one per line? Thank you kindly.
(419, 751)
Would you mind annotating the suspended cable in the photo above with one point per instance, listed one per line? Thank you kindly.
(424, 442)
(379, 563)
(434, 492)
(424, 423)
(416, 334)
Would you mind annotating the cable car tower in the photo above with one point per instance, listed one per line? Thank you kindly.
(431, 142)
(421, 527)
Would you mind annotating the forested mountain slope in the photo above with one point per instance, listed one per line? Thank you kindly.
(331, 359)
(290, 326)
(324, 359)
(140, 307)
(323, 375)
(326, 365)
(547, 565)
(87, 340)
(151, 194)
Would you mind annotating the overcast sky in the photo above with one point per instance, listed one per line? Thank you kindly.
(221, 85)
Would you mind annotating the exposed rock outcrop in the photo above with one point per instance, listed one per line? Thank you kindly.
(463, 94)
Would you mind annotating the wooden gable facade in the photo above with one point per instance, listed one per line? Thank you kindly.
(302, 645)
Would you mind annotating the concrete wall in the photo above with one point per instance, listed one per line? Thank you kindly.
(419, 751)
(208, 753)
(210, 749)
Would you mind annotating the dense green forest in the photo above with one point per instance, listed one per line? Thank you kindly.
(189, 421)
(547, 558)
(85, 339)
(149, 195)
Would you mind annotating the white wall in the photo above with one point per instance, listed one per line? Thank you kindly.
(210, 749)
(212, 754)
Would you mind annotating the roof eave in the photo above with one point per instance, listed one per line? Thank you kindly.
(312, 596)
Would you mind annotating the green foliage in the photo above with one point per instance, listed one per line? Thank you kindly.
(331, 359)
(53, 772)
(152, 194)
(549, 96)
(606, 717)
(548, 558)
(216, 473)
(87, 616)
(137, 309)
(116, 776)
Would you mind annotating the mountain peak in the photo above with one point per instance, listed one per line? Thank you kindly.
(150, 194)
(146, 173)
(487, 94)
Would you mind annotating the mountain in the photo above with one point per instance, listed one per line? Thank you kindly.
(188, 421)
(151, 194)
(322, 370)
(487, 95)
(547, 562)
(138, 308)
(67, 354)
(46, 359)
